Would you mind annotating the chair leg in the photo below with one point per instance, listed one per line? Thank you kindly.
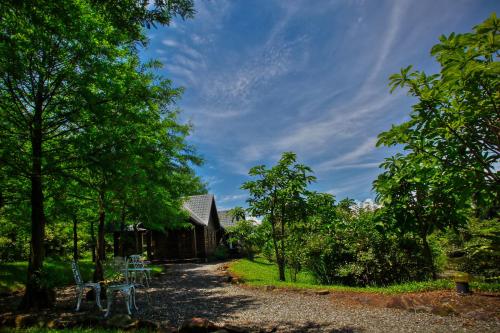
(98, 296)
(127, 301)
(109, 296)
(80, 296)
(133, 299)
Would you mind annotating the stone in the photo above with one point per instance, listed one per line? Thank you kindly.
(443, 310)
(123, 321)
(197, 325)
(149, 325)
(422, 309)
(25, 320)
(270, 288)
(167, 329)
(236, 329)
(478, 315)
(322, 292)
(7, 319)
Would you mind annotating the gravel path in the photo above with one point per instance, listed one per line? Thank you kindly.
(198, 290)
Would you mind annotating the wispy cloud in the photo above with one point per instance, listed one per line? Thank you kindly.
(360, 151)
(271, 76)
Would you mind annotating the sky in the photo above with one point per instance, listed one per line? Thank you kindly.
(262, 77)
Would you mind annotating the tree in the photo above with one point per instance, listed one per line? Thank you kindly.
(52, 55)
(46, 50)
(451, 142)
(454, 124)
(237, 214)
(415, 193)
(243, 232)
(278, 195)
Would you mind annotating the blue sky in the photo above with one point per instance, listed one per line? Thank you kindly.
(263, 77)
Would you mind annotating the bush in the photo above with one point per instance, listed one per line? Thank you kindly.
(221, 252)
(363, 251)
(475, 248)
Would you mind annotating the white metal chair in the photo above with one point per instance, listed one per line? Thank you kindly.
(126, 288)
(81, 286)
(138, 266)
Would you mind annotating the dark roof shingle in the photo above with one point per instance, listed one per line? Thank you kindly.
(199, 206)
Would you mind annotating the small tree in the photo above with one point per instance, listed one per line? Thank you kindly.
(243, 233)
(278, 195)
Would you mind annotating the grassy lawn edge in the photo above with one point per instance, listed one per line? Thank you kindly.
(261, 273)
(13, 274)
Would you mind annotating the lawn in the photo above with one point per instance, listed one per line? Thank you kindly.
(261, 272)
(58, 273)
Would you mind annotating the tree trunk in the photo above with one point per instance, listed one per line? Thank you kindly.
(101, 246)
(116, 244)
(279, 260)
(36, 296)
(428, 256)
(75, 238)
(281, 268)
(148, 243)
(92, 239)
(136, 236)
(122, 233)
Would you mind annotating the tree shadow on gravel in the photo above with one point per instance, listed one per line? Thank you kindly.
(186, 291)
(309, 327)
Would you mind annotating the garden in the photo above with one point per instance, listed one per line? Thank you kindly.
(94, 154)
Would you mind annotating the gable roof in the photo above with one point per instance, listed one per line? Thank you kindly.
(225, 218)
(199, 207)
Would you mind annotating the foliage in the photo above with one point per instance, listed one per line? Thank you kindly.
(85, 124)
(244, 234)
(451, 140)
(278, 195)
(56, 273)
(261, 272)
(475, 248)
(221, 253)
(360, 251)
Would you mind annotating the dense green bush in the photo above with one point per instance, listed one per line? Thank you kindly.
(475, 248)
(362, 251)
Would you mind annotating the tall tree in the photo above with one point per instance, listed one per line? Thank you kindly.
(452, 140)
(52, 55)
(47, 50)
(454, 124)
(278, 195)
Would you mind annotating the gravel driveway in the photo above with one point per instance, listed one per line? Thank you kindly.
(197, 290)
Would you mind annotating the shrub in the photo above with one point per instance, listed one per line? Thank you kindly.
(362, 251)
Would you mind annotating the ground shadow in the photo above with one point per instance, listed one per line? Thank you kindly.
(185, 291)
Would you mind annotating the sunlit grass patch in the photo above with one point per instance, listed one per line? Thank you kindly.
(261, 272)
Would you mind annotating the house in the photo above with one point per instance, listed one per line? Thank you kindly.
(198, 242)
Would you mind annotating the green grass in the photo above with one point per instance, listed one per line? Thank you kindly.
(261, 272)
(57, 273)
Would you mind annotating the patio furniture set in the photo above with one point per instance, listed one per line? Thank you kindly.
(133, 272)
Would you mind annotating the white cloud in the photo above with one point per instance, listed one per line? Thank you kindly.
(360, 151)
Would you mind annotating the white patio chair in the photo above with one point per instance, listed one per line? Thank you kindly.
(126, 288)
(138, 266)
(81, 286)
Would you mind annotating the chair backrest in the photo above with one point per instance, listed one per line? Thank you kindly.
(136, 261)
(76, 273)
